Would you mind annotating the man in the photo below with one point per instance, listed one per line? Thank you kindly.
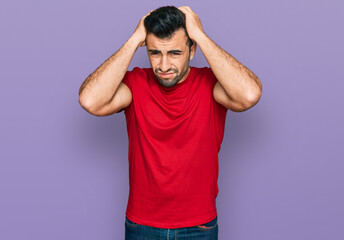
(175, 118)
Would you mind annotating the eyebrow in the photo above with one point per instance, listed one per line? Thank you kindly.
(158, 51)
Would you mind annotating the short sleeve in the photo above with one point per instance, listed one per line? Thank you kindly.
(128, 80)
(221, 110)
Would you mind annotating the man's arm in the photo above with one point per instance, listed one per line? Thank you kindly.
(237, 88)
(102, 93)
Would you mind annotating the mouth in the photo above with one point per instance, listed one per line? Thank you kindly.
(165, 75)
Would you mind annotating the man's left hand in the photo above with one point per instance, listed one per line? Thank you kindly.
(193, 23)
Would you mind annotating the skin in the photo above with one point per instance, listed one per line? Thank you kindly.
(237, 89)
(169, 58)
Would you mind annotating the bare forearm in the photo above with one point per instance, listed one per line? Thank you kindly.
(240, 83)
(99, 87)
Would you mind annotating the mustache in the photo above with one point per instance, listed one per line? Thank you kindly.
(171, 70)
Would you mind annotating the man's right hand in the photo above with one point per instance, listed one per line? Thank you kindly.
(103, 92)
(140, 32)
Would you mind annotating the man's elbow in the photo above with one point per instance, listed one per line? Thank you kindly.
(254, 97)
(85, 104)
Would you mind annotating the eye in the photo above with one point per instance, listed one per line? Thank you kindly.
(175, 53)
(154, 53)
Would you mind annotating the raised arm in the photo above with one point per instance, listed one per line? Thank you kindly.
(238, 88)
(102, 93)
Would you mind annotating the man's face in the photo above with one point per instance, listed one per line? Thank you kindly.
(170, 58)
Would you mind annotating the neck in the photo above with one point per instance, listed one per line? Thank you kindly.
(185, 75)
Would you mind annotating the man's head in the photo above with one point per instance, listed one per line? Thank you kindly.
(168, 45)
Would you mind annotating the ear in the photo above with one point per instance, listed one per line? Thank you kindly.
(193, 50)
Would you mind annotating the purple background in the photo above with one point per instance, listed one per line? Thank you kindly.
(64, 172)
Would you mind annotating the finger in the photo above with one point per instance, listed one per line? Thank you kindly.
(186, 8)
(182, 9)
(189, 10)
(148, 14)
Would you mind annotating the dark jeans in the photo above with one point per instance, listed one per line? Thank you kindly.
(134, 231)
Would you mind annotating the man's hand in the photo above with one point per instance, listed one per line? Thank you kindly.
(238, 88)
(103, 92)
(193, 23)
(140, 32)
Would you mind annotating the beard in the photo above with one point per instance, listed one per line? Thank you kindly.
(175, 80)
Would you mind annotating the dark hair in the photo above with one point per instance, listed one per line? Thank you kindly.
(164, 21)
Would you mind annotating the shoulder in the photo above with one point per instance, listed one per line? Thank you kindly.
(135, 75)
(205, 73)
(138, 70)
(142, 73)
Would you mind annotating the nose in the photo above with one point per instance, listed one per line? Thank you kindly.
(164, 64)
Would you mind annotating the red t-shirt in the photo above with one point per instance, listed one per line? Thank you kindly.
(174, 135)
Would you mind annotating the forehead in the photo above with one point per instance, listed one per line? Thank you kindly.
(177, 41)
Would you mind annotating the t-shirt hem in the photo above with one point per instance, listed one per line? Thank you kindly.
(208, 218)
